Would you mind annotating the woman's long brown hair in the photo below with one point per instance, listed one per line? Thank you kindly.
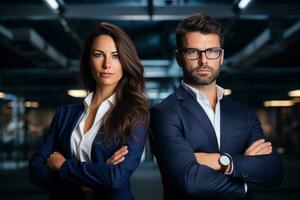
(131, 107)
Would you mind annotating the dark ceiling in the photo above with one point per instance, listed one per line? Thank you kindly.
(40, 49)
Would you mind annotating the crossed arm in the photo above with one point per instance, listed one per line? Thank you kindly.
(259, 147)
(56, 159)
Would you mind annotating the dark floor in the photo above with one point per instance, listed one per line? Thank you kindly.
(146, 184)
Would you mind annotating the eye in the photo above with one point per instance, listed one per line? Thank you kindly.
(213, 50)
(192, 52)
(115, 56)
(98, 55)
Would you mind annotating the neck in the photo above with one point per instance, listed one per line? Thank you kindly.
(210, 91)
(101, 94)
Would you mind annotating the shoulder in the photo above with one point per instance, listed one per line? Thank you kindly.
(167, 105)
(167, 111)
(69, 109)
(237, 108)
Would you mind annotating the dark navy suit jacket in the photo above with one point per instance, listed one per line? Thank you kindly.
(181, 127)
(109, 181)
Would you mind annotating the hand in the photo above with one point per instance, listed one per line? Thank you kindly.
(118, 156)
(259, 147)
(55, 160)
(211, 160)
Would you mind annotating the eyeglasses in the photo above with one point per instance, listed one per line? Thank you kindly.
(194, 54)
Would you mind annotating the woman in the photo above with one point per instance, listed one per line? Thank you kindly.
(92, 148)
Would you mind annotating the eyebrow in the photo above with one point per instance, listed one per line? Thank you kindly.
(103, 52)
(204, 49)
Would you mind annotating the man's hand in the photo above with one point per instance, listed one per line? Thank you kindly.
(211, 160)
(259, 147)
(55, 160)
(118, 156)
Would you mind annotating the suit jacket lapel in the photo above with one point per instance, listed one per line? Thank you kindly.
(192, 105)
(225, 125)
(72, 121)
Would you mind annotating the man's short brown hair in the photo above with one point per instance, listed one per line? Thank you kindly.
(200, 22)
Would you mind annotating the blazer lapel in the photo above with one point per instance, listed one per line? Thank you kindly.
(225, 125)
(72, 121)
(192, 106)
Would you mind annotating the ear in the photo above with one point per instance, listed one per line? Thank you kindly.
(179, 58)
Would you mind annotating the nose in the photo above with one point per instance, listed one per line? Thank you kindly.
(107, 63)
(202, 59)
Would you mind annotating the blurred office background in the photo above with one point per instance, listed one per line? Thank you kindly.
(40, 46)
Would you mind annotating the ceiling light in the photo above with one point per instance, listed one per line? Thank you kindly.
(31, 104)
(77, 93)
(2, 95)
(279, 103)
(294, 93)
(54, 5)
(243, 4)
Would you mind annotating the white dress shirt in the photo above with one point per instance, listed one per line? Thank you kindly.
(81, 143)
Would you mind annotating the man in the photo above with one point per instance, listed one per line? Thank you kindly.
(206, 145)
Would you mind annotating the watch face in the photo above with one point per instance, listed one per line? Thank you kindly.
(224, 160)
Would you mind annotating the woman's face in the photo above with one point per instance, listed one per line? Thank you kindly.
(105, 62)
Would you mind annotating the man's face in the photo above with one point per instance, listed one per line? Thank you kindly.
(201, 71)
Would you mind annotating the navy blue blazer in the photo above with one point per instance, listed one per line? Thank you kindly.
(181, 127)
(109, 181)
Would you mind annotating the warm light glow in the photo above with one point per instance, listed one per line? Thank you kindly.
(31, 104)
(53, 4)
(243, 4)
(228, 92)
(294, 93)
(279, 103)
(280, 150)
(77, 93)
(2, 95)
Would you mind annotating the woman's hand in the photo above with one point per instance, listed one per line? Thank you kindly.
(118, 156)
(55, 160)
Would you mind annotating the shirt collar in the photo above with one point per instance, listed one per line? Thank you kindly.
(88, 99)
(198, 94)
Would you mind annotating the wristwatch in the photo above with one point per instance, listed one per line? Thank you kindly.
(224, 161)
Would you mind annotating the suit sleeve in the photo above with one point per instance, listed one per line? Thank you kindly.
(176, 157)
(106, 175)
(263, 170)
(39, 173)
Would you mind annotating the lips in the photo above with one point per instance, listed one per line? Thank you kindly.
(205, 71)
(105, 74)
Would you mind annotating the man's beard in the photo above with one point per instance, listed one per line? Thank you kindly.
(196, 78)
